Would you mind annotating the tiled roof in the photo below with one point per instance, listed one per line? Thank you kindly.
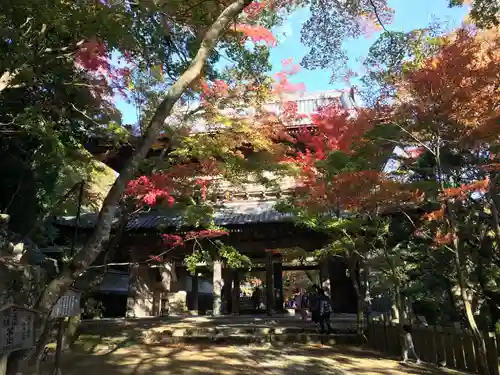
(236, 213)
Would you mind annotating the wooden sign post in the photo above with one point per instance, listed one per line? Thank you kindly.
(17, 331)
(68, 305)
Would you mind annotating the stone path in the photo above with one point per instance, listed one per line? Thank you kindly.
(206, 359)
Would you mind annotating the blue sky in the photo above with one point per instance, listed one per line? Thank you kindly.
(408, 16)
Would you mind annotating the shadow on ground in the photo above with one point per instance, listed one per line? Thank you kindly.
(93, 355)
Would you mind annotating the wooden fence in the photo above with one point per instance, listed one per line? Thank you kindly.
(442, 346)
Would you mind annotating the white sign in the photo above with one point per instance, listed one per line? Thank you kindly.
(17, 328)
(68, 305)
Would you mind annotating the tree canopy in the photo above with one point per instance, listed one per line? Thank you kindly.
(198, 76)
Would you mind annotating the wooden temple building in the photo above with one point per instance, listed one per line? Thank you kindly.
(135, 285)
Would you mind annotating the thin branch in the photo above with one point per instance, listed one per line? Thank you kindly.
(85, 115)
(135, 263)
(375, 10)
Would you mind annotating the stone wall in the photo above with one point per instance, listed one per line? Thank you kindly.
(140, 301)
(20, 282)
(150, 297)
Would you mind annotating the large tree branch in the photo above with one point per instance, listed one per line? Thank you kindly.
(100, 235)
(103, 227)
(85, 257)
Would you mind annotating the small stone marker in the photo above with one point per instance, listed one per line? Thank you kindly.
(17, 331)
(18, 328)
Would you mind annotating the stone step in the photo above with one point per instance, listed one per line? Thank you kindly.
(215, 321)
(244, 329)
(226, 329)
(246, 339)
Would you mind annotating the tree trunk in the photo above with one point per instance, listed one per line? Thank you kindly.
(397, 297)
(100, 235)
(459, 269)
(217, 288)
(353, 262)
(469, 314)
(462, 284)
(478, 336)
(494, 207)
(71, 332)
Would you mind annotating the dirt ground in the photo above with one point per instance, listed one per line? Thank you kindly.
(184, 359)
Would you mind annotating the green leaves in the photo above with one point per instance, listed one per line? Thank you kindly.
(484, 13)
(232, 257)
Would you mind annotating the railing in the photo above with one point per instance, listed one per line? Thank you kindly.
(448, 347)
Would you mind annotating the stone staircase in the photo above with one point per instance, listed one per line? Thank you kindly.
(229, 329)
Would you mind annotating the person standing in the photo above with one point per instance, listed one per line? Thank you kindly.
(409, 347)
(325, 310)
(256, 295)
(313, 302)
(301, 305)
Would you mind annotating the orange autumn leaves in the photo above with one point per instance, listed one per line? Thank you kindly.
(455, 95)
(456, 92)
(457, 194)
(341, 184)
(360, 191)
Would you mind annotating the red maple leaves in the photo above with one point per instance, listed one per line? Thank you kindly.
(213, 90)
(179, 180)
(93, 57)
(256, 34)
(283, 86)
(150, 189)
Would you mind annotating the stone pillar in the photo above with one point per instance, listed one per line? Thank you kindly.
(194, 291)
(235, 304)
(132, 291)
(166, 273)
(217, 288)
(269, 284)
(141, 293)
(278, 285)
(227, 276)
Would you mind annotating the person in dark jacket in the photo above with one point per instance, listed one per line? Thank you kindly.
(325, 310)
(256, 295)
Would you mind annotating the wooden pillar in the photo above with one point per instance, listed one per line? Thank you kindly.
(235, 304)
(217, 288)
(269, 284)
(278, 285)
(335, 295)
(342, 291)
(194, 291)
(226, 295)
